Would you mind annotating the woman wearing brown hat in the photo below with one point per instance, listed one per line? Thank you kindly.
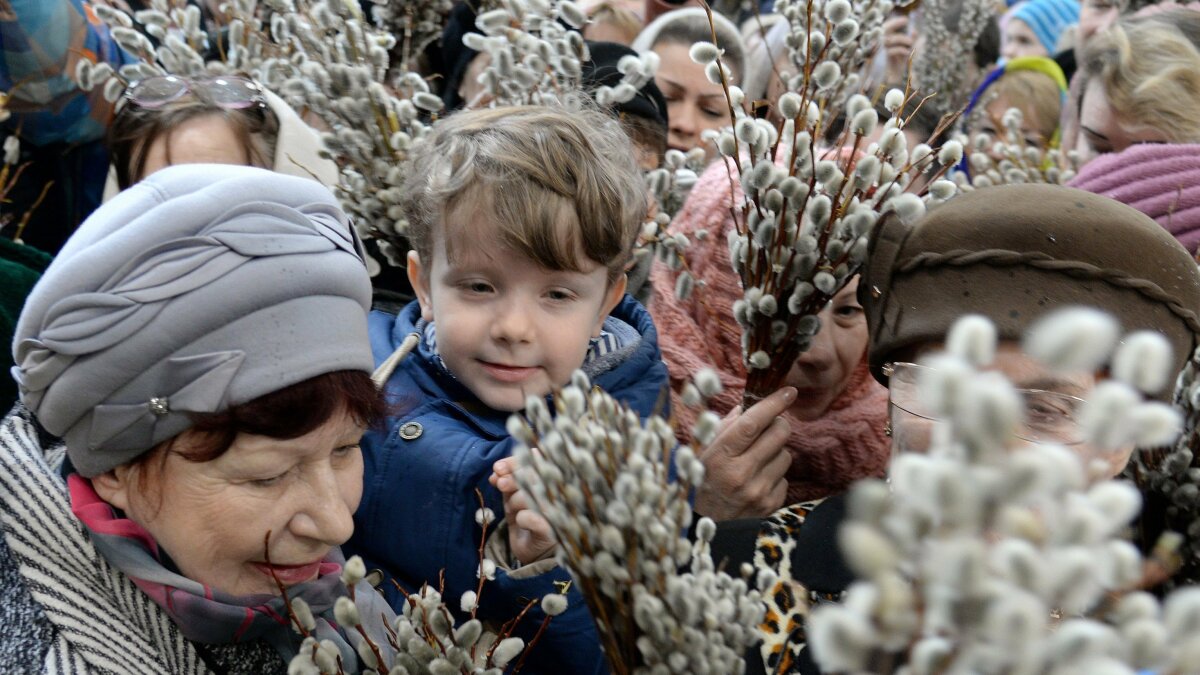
(1010, 254)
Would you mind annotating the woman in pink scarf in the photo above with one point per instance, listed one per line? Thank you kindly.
(815, 437)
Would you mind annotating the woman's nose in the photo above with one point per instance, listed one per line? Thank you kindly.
(820, 352)
(684, 123)
(327, 514)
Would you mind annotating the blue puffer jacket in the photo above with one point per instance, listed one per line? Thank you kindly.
(417, 516)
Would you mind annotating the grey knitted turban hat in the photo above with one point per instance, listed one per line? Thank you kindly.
(200, 288)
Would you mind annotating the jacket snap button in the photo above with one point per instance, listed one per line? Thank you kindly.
(411, 431)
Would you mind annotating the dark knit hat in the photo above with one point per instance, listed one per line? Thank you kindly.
(1014, 252)
(601, 71)
(452, 57)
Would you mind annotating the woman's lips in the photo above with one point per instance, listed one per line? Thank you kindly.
(503, 373)
(290, 575)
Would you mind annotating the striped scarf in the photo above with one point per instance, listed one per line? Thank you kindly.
(103, 621)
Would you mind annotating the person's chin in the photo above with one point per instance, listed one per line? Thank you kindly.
(503, 397)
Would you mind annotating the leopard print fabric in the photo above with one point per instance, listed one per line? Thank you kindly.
(788, 601)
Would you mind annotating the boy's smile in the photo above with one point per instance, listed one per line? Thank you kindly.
(507, 373)
(508, 328)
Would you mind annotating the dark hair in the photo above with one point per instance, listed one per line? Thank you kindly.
(134, 129)
(987, 47)
(288, 413)
(645, 133)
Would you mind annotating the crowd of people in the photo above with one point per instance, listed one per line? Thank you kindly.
(221, 392)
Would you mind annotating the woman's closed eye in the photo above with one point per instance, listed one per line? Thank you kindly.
(269, 482)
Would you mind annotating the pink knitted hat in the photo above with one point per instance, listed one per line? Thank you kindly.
(1160, 180)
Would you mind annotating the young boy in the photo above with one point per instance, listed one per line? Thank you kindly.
(522, 220)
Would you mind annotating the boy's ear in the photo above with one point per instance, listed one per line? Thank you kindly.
(114, 485)
(418, 276)
(612, 298)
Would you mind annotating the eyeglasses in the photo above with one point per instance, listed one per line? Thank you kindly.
(1049, 416)
(229, 92)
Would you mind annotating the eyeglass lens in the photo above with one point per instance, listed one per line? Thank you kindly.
(1049, 417)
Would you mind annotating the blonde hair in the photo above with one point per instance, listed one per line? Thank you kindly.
(625, 21)
(557, 183)
(1151, 73)
(1035, 93)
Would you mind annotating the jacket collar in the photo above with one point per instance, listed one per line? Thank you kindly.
(614, 371)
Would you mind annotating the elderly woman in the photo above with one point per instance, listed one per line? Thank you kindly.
(810, 440)
(1011, 254)
(200, 346)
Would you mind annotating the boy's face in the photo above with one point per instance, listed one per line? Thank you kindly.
(506, 327)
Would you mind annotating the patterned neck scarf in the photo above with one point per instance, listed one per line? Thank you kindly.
(208, 616)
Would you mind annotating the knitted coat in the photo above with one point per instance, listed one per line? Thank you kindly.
(828, 454)
(1162, 180)
(65, 608)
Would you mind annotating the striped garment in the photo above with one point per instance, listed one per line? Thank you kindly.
(77, 613)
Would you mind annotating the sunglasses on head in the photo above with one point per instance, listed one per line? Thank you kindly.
(229, 92)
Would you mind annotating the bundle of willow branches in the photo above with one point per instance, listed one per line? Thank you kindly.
(803, 222)
(603, 479)
(978, 557)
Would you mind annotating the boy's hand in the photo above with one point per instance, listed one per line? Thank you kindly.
(745, 467)
(529, 535)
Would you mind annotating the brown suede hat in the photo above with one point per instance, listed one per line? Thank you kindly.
(1014, 252)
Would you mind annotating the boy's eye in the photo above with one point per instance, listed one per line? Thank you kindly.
(476, 287)
(559, 295)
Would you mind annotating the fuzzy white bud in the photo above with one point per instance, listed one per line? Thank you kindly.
(973, 338)
(1157, 424)
(554, 604)
(826, 74)
(506, 651)
(704, 53)
(909, 207)
(760, 360)
(346, 612)
(1143, 361)
(468, 602)
(1073, 339)
(893, 100)
(951, 153)
(304, 615)
(427, 101)
(943, 189)
(571, 14)
(708, 382)
(789, 105)
(354, 571)
(864, 122)
(837, 11)
(868, 552)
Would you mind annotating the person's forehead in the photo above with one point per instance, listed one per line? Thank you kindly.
(1026, 372)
